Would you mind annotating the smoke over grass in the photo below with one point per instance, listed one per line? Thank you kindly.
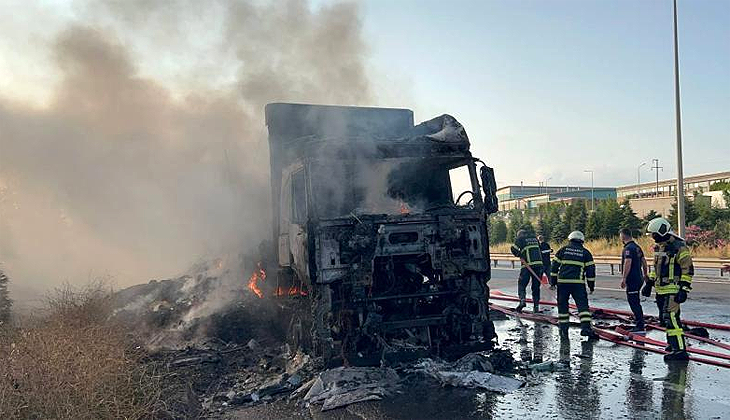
(136, 168)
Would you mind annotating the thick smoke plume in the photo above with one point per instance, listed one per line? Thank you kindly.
(122, 174)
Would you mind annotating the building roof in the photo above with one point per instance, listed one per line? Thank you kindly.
(665, 182)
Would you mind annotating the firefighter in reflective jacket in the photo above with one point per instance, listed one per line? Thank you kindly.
(672, 277)
(527, 249)
(572, 267)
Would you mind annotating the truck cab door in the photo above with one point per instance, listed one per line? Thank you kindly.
(299, 215)
(285, 211)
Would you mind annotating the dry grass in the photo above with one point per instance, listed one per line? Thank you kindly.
(605, 247)
(70, 363)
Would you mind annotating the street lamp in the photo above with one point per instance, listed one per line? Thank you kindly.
(546, 185)
(638, 179)
(591, 172)
(678, 116)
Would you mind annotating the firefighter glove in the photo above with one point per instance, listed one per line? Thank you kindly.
(681, 296)
(592, 286)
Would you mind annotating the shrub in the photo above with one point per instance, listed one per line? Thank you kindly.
(71, 363)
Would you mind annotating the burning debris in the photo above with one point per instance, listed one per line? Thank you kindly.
(259, 275)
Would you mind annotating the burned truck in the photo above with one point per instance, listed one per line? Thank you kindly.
(380, 230)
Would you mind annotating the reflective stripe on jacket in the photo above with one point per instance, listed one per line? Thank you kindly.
(672, 268)
(528, 249)
(573, 264)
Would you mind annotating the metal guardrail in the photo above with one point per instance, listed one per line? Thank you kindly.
(721, 264)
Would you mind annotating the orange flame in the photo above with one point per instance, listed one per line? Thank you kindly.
(293, 291)
(404, 208)
(259, 274)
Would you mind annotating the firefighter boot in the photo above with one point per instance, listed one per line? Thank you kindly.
(521, 306)
(680, 356)
(587, 331)
(536, 308)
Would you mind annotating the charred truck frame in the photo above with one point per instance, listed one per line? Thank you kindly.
(373, 243)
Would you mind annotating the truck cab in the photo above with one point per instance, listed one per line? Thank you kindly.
(380, 230)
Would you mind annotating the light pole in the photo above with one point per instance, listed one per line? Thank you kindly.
(656, 167)
(591, 172)
(680, 172)
(546, 185)
(638, 179)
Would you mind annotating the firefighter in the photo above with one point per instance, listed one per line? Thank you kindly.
(672, 277)
(527, 249)
(572, 267)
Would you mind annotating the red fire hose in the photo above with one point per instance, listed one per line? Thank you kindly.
(501, 296)
(623, 339)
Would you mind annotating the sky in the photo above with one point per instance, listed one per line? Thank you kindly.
(131, 133)
(548, 89)
(545, 89)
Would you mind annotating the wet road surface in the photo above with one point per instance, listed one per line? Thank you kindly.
(601, 379)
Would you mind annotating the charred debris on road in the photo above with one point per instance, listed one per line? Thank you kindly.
(377, 272)
(224, 348)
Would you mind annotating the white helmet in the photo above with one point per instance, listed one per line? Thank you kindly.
(576, 235)
(660, 226)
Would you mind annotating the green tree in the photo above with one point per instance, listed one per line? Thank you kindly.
(706, 216)
(720, 186)
(516, 220)
(594, 226)
(651, 216)
(612, 217)
(629, 219)
(542, 227)
(690, 213)
(552, 218)
(560, 231)
(5, 302)
(498, 230)
(527, 226)
(722, 230)
(580, 216)
(569, 214)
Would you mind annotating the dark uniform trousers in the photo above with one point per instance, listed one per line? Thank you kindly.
(580, 296)
(572, 268)
(524, 280)
(634, 299)
(527, 248)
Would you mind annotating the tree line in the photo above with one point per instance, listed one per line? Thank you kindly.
(555, 221)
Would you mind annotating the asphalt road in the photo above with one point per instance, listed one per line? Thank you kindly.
(601, 380)
(708, 300)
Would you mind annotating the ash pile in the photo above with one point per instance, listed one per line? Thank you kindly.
(219, 335)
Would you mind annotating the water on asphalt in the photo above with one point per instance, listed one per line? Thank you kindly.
(600, 380)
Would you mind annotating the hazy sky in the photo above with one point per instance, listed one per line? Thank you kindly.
(118, 119)
(546, 89)
(550, 88)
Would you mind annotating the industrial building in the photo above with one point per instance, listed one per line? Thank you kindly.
(530, 196)
(659, 196)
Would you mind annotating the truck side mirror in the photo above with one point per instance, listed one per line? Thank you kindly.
(489, 185)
